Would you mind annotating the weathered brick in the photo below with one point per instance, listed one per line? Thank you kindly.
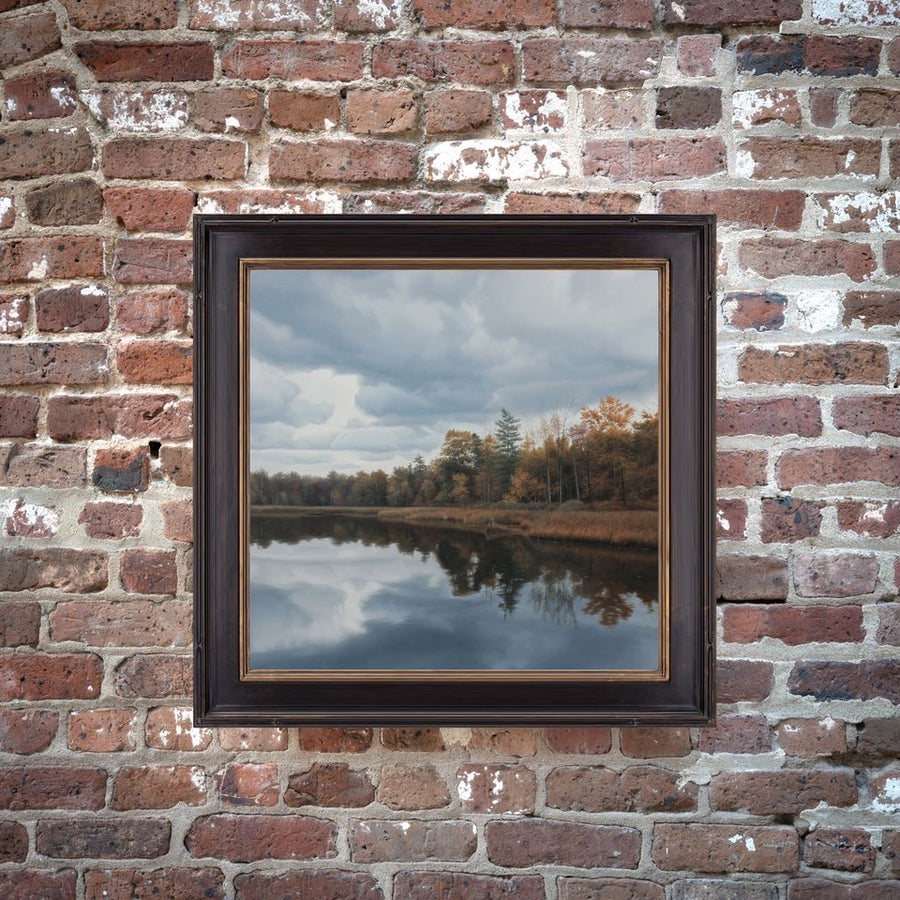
(868, 415)
(845, 849)
(14, 843)
(155, 362)
(174, 159)
(723, 889)
(892, 257)
(330, 784)
(864, 680)
(505, 741)
(823, 106)
(649, 743)
(14, 313)
(812, 737)
(863, 12)
(144, 571)
(605, 109)
(28, 36)
(696, 54)
(246, 838)
(535, 111)
(132, 623)
(30, 520)
(18, 415)
(584, 61)
(465, 886)
(638, 789)
(27, 731)
(248, 784)
(152, 261)
(472, 14)
(151, 209)
(20, 623)
(890, 847)
(873, 212)
(743, 679)
(781, 210)
(26, 884)
(122, 110)
(713, 848)
(168, 62)
(837, 465)
(737, 468)
(381, 112)
(154, 676)
(751, 578)
(38, 258)
(99, 15)
(609, 889)
(350, 161)
(421, 739)
(373, 841)
(98, 838)
(810, 157)
(171, 728)
(763, 311)
(253, 15)
(152, 311)
(39, 465)
(360, 16)
(105, 520)
(878, 739)
(178, 524)
(765, 106)
(457, 112)
(584, 739)
(871, 308)
(869, 517)
(412, 787)
(304, 110)
(265, 739)
(773, 257)
(688, 107)
(816, 54)
(425, 202)
(656, 159)
(466, 62)
(788, 415)
(101, 730)
(75, 308)
(124, 884)
(834, 574)
(531, 842)
(7, 220)
(715, 12)
(307, 59)
(786, 792)
(121, 470)
(75, 201)
(883, 790)
(490, 161)
(326, 884)
(825, 889)
(889, 619)
(496, 789)
(228, 109)
(737, 734)
(852, 362)
(158, 787)
(787, 519)
(637, 14)
(894, 56)
(875, 108)
(45, 95)
(53, 363)
(72, 571)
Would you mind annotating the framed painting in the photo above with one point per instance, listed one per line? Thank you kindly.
(454, 470)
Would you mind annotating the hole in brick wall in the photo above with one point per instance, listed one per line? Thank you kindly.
(154, 449)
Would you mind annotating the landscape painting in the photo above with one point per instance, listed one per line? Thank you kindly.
(454, 468)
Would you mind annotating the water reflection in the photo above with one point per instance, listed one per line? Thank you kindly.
(363, 593)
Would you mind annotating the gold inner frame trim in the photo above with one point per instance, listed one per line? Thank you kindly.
(659, 674)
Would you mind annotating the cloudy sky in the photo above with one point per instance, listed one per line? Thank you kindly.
(358, 369)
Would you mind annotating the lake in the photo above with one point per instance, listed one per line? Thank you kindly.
(348, 592)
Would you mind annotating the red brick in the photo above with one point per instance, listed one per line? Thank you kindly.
(151, 209)
(330, 784)
(29, 465)
(228, 109)
(253, 15)
(45, 95)
(506, 741)
(75, 201)
(96, 838)
(167, 62)
(20, 623)
(171, 728)
(323, 884)
(121, 470)
(636, 14)
(890, 847)
(743, 679)
(248, 784)
(496, 789)
(14, 313)
(787, 519)
(852, 362)
(155, 362)
(467, 62)
(773, 257)
(892, 257)
(102, 730)
(776, 210)
(845, 849)
(868, 415)
(610, 889)
(817, 54)
(373, 841)
(412, 787)
(871, 308)
(823, 106)
(335, 740)
(834, 574)
(837, 465)
(655, 159)
(812, 737)
(125, 884)
(174, 159)
(132, 623)
(464, 886)
(53, 363)
(786, 792)
(152, 311)
(584, 60)
(883, 791)
(740, 468)
(788, 415)
(26, 884)
(889, 619)
(875, 108)
(894, 56)
(713, 848)
(247, 838)
(100, 15)
(421, 739)
(696, 54)
(381, 112)
(864, 680)
(751, 578)
(688, 107)
(178, 522)
(14, 843)
(763, 311)
(650, 743)
(148, 571)
(52, 787)
(472, 14)
(811, 157)
(426, 202)
(641, 789)
(822, 889)
(153, 261)
(18, 415)
(873, 518)
(27, 731)
(28, 36)
(360, 16)
(737, 734)
(457, 112)
(322, 60)
(154, 676)
(539, 841)
(348, 161)
(158, 787)
(579, 740)
(265, 739)
(304, 110)
(106, 520)
(715, 12)
(78, 308)
(71, 571)
(39, 258)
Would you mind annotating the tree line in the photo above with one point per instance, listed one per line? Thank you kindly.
(605, 453)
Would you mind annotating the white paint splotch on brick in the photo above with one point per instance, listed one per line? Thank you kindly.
(534, 110)
(871, 13)
(271, 202)
(12, 315)
(30, 519)
(7, 207)
(749, 108)
(227, 14)
(138, 112)
(379, 12)
(489, 161)
(870, 211)
(817, 310)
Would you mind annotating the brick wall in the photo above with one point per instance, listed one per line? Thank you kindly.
(119, 120)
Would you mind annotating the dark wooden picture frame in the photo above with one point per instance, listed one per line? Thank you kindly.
(228, 691)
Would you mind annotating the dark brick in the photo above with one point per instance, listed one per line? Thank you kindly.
(13, 842)
(103, 838)
(722, 12)
(743, 679)
(121, 470)
(864, 680)
(114, 61)
(465, 886)
(247, 838)
(751, 578)
(540, 841)
(52, 787)
(321, 884)
(180, 883)
(330, 784)
(18, 415)
(74, 308)
(789, 519)
(688, 107)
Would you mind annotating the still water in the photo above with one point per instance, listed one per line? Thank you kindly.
(341, 592)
